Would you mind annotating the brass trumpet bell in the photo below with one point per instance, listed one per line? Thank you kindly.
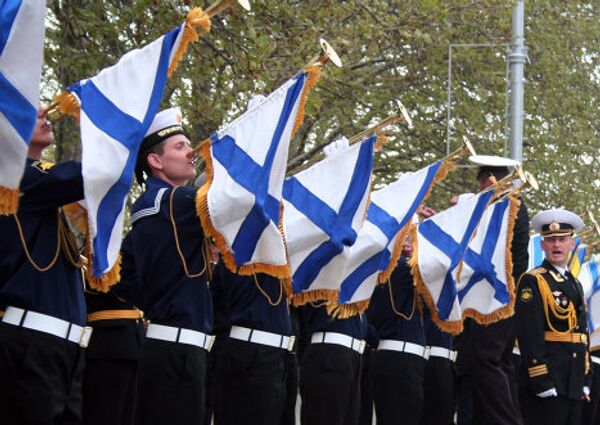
(222, 5)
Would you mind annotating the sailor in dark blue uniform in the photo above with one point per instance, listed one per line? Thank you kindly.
(440, 375)
(41, 295)
(331, 366)
(252, 363)
(399, 365)
(165, 270)
(552, 328)
(111, 375)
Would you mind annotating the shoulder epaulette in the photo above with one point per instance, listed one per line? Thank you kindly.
(538, 270)
(42, 166)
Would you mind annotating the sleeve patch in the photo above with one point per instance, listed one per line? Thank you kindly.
(526, 295)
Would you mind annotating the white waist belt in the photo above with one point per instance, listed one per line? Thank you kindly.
(180, 335)
(516, 351)
(48, 324)
(402, 347)
(445, 353)
(356, 344)
(595, 359)
(262, 337)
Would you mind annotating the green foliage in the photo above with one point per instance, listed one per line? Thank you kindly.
(391, 50)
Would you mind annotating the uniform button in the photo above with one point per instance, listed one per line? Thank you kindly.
(577, 327)
(574, 355)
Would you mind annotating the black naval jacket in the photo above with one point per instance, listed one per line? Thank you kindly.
(397, 317)
(57, 291)
(547, 364)
(153, 276)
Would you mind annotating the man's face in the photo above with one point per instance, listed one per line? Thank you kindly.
(557, 249)
(174, 162)
(42, 135)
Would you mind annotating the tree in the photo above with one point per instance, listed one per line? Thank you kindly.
(391, 50)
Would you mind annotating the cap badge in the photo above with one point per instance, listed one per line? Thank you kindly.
(554, 226)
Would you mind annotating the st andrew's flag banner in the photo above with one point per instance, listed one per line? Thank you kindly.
(536, 254)
(240, 203)
(116, 108)
(441, 244)
(324, 209)
(590, 281)
(376, 252)
(21, 53)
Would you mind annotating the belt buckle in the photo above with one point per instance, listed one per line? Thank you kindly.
(583, 338)
(210, 342)
(291, 342)
(427, 352)
(84, 338)
(361, 346)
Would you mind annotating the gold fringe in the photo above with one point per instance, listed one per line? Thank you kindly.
(302, 298)
(203, 213)
(453, 327)
(345, 311)
(195, 18)
(382, 138)
(68, 104)
(313, 73)
(385, 275)
(445, 168)
(9, 200)
(456, 327)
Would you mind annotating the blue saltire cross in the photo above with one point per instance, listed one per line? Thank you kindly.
(390, 227)
(255, 178)
(454, 250)
(338, 226)
(19, 112)
(127, 130)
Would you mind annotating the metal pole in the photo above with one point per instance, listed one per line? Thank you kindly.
(449, 105)
(517, 58)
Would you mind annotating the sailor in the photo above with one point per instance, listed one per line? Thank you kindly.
(42, 330)
(552, 328)
(485, 351)
(399, 366)
(252, 366)
(165, 271)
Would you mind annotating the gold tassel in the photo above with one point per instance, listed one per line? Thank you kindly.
(195, 18)
(68, 104)
(379, 142)
(302, 298)
(108, 279)
(77, 215)
(9, 200)
(203, 213)
(313, 73)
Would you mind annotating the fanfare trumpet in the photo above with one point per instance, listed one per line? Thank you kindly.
(397, 117)
(67, 104)
(505, 187)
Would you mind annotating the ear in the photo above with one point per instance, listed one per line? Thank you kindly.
(154, 161)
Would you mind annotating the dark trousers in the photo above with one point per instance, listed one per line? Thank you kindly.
(366, 388)
(330, 385)
(591, 409)
(40, 378)
(110, 390)
(172, 384)
(291, 390)
(440, 392)
(551, 410)
(398, 387)
(495, 401)
(250, 384)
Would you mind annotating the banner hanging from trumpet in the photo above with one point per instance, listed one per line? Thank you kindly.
(440, 244)
(324, 208)
(240, 204)
(21, 53)
(379, 244)
(115, 109)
